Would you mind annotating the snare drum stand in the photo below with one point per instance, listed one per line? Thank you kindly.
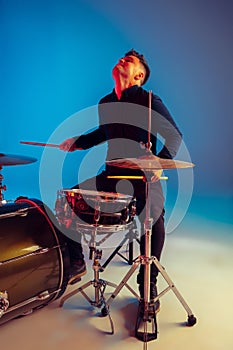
(98, 283)
(147, 313)
(130, 236)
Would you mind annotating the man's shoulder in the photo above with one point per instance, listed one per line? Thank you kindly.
(143, 93)
(107, 98)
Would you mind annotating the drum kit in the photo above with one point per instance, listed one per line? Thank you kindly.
(32, 249)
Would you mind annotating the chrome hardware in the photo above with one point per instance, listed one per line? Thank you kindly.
(4, 302)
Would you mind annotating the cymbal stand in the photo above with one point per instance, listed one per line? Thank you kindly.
(147, 316)
(98, 283)
(2, 188)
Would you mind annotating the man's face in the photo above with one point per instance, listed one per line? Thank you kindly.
(128, 67)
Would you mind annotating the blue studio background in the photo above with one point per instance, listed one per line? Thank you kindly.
(56, 59)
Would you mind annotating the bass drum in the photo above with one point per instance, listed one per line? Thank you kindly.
(34, 259)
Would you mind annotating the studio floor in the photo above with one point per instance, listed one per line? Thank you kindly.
(197, 257)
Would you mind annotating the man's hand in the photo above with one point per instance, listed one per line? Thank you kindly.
(157, 175)
(68, 145)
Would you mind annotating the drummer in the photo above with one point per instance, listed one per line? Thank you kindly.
(123, 124)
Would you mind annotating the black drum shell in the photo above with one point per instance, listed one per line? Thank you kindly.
(34, 258)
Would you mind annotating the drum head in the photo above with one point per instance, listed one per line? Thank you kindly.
(100, 195)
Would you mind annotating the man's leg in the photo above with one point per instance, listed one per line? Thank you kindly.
(77, 263)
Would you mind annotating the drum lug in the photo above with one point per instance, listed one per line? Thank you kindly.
(4, 302)
(44, 295)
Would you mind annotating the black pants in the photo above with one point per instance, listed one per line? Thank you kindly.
(136, 188)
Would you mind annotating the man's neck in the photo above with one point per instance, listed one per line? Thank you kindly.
(121, 85)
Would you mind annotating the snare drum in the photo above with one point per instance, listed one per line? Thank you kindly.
(34, 260)
(85, 208)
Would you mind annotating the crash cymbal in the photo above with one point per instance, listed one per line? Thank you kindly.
(12, 159)
(149, 163)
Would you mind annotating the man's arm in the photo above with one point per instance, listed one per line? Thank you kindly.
(164, 124)
(84, 141)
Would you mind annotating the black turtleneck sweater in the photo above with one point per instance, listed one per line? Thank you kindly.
(124, 125)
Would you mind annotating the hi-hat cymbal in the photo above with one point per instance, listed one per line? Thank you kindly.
(149, 163)
(12, 159)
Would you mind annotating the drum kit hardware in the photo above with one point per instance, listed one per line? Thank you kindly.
(10, 159)
(92, 213)
(130, 236)
(99, 285)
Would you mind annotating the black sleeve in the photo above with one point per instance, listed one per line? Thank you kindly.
(164, 125)
(95, 137)
(91, 139)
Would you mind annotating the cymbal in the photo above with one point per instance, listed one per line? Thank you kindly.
(149, 163)
(12, 159)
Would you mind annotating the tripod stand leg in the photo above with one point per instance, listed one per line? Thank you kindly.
(130, 236)
(191, 318)
(130, 258)
(76, 291)
(114, 253)
(124, 282)
(130, 261)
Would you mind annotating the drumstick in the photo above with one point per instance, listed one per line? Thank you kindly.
(40, 144)
(140, 177)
